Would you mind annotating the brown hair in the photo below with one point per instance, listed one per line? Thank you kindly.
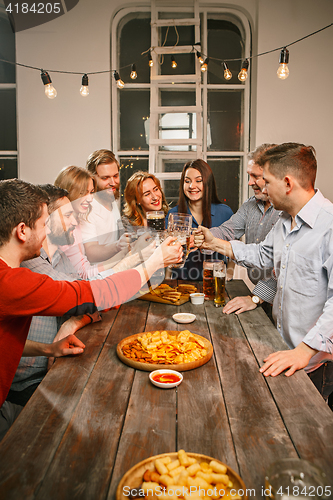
(55, 194)
(19, 202)
(209, 190)
(294, 158)
(133, 192)
(258, 151)
(75, 180)
(99, 157)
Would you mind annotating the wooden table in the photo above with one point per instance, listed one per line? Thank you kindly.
(93, 417)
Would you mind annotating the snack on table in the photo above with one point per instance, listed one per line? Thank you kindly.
(166, 292)
(160, 347)
(186, 478)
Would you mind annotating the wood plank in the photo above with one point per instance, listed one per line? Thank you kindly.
(29, 446)
(149, 428)
(291, 393)
(90, 443)
(258, 432)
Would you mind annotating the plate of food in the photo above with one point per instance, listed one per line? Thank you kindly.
(166, 294)
(180, 474)
(166, 349)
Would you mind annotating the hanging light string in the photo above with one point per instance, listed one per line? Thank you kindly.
(84, 74)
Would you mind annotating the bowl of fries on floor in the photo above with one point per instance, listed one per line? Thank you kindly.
(167, 349)
(181, 476)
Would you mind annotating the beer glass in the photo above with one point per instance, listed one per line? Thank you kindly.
(208, 275)
(179, 226)
(293, 478)
(156, 220)
(219, 273)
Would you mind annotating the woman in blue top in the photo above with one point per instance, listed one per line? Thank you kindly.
(198, 197)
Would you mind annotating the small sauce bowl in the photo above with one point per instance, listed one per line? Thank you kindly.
(197, 298)
(184, 317)
(165, 379)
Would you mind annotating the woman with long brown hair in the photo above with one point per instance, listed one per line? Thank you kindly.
(143, 193)
(198, 197)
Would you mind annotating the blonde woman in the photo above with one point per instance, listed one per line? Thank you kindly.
(143, 193)
(80, 186)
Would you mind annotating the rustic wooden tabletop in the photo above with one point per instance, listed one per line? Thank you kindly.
(93, 417)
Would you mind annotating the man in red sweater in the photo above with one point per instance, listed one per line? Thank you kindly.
(23, 293)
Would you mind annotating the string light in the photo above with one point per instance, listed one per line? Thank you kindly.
(173, 63)
(242, 75)
(226, 71)
(119, 82)
(283, 70)
(200, 57)
(84, 90)
(204, 66)
(133, 74)
(50, 91)
(151, 62)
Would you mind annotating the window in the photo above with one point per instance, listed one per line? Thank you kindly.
(8, 140)
(169, 116)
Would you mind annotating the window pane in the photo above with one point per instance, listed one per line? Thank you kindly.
(134, 114)
(8, 167)
(224, 41)
(177, 126)
(8, 125)
(179, 98)
(227, 176)
(172, 165)
(225, 120)
(135, 39)
(185, 62)
(171, 191)
(129, 165)
(7, 51)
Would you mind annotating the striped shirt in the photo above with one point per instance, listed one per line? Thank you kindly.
(252, 221)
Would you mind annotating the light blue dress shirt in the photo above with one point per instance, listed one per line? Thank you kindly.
(303, 262)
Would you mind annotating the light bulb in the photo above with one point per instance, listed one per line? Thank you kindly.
(201, 59)
(133, 74)
(173, 62)
(226, 73)
(242, 75)
(119, 82)
(151, 62)
(50, 91)
(283, 70)
(204, 66)
(84, 90)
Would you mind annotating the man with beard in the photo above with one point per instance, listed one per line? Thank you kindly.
(53, 262)
(100, 231)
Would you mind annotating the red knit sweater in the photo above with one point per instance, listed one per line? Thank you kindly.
(24, 294)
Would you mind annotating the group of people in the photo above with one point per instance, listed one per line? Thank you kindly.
(57, 278)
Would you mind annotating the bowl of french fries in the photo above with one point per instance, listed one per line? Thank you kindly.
(181, 476)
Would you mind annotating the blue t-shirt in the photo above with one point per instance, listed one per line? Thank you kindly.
(193, 265)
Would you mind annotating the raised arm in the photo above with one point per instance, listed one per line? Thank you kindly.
(204, 239)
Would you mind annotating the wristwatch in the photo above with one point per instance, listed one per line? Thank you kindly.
(255, 299)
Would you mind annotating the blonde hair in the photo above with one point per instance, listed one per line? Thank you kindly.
(75, 180)
(133, 192)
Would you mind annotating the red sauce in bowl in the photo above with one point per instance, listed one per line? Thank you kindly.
(166, 378)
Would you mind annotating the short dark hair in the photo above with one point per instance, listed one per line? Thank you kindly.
(98, 158)
(19, 202)
(258, 151)
(55, 194)
(209, 195)
(292, 158)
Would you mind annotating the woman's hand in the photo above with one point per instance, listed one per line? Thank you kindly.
(169, 252)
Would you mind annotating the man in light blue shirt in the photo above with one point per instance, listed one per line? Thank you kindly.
(300, 248)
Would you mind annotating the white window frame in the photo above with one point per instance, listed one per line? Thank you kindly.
(188, 155)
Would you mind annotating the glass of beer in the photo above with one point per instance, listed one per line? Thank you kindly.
(156, 220)
(179, 225)
(208, 276)
(219, 273)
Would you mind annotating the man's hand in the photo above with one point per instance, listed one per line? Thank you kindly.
(239, 305)
(124, 242)
(66, 347)
(203, 238)
(294, 359)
